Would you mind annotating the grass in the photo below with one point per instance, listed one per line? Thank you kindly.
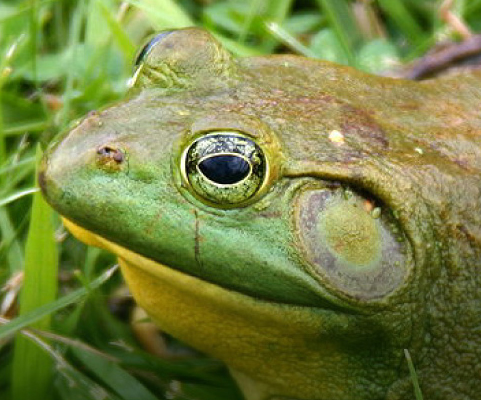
(414, 377)
(60, 59)
(30, 363)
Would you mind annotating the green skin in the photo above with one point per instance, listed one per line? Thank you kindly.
(389, 259)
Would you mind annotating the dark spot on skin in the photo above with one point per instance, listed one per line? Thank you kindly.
(470, 236)
(462, 163)
(409, 106)
(197, 240)
(360, 124)
(271, 214)
(150, 227)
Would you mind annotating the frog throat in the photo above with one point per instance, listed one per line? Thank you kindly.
(211, 318)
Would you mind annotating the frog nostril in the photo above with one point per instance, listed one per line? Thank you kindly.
(108, 155)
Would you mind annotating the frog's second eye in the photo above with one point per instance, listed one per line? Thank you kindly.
(149, 46)
(225, 168)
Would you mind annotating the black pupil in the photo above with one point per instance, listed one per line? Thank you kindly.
(225, 170)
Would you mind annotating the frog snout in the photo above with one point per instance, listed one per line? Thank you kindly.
(49, 177)
(60, 169)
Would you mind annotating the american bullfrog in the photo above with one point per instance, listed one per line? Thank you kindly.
(302, 221)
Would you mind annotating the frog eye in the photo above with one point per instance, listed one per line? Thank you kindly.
(224, 168)
(144, 52)
(182, 59)
(352, 245)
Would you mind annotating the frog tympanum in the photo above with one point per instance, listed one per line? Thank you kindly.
(302, 221)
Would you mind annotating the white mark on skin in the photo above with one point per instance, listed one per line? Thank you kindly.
(131, 81)
(336, 137)
(419, 150)
(376, 212)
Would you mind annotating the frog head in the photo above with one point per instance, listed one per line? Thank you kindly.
(302, 221)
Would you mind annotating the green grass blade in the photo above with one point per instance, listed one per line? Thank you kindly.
(3, 148)
(290, 41)
(414, 376)
(272, 10)
(277, 10)
(25, 162)
(401, 16)
(35, 315)
(472, 7)
(32, 367)
(74, 385)
(164, 14)
(5, 71)
(21, 129)
(255, 7)
(119, 380)
(17, 196)
(71, 383)
(126, 45)
(33, 36)
(74, 41)
(343, 24)
(13, 249)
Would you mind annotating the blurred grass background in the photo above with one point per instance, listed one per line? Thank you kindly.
(60, 59)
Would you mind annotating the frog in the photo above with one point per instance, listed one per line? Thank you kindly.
(312, 226)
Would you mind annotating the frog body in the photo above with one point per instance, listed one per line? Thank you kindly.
(302, 221)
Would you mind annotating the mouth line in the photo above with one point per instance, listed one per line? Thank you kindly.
(185, 282)
(190, 283)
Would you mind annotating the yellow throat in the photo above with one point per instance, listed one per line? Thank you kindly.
(251, 336)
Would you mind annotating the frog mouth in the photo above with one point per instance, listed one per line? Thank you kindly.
(132, 262)
(153, 283)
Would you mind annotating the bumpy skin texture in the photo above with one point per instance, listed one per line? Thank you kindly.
(247, 283)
